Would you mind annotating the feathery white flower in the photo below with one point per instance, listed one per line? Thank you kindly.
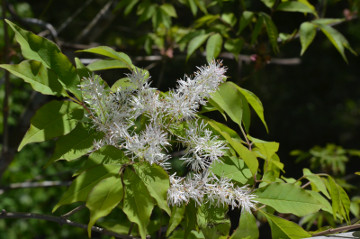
(184, 102)
(203, 148)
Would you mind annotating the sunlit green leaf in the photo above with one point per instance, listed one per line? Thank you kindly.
(288, 198)
(156, 181)
(255, 103)
(138, 203)
(233, 168)
(109, 52)
(85, 182)
(100, 65)
(75, 144)
(177, 214)
(247, 227)
(37, 48)
(229, 99)
(293, 6)
(169, 9)
(54, 119)
(269, 3)
(282, 228)
(195, 43)
(213, 47)
(103, 198)
(38, 76)
(307, 34)
(316, 181)
(337, 39)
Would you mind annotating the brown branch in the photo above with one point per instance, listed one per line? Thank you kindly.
(73, 16)
(44, 184)
(106, 10)
(62, 221)
(335, 230)
(72, 212)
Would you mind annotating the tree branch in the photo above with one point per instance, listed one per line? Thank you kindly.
(62, 221)
(44, 184)
(335, 230)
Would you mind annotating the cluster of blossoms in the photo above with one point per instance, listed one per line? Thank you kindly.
(142, 122)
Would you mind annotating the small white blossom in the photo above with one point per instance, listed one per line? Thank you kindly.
(184, 102)
(203, 148)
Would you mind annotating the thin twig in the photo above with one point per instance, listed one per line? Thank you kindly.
(73, 16)
(34, 21)
(339, 229)
(72, 212)
(43, 184)
(96, 19)
(61, 221)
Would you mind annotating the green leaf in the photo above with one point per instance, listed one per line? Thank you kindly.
(34, 47)
(269, 3)
(108, 154)
(247, 227)
(145, 11)
(267, 149)
(82, 70)
(229, 99)
(195, 43)
(123, 83)
(138, 203)
(205, 20)
(245, 154)
(288, 198)
(282, 228)
(54, 119)
(272, 32)
(193, 6)
(316, 181)
(326, 206)
(222, 128)
(103, 198)
(100, 65)
(340, 200)
(245, 19)
(213, 47)
(233, 168)
(75, 144)
(190, 218)
(307, 34)
(38, 76)
(169, 9)
(177, 214)
(255, 103)
(229, 18)
(85, 182)
(156, 181)
(109, 52)
(293, 6)
(257, 29)
(337, 39)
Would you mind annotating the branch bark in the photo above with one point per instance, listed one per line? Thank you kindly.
(62, 221)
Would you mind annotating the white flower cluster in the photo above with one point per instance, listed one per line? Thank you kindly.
(217, 190)
(142, 122)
